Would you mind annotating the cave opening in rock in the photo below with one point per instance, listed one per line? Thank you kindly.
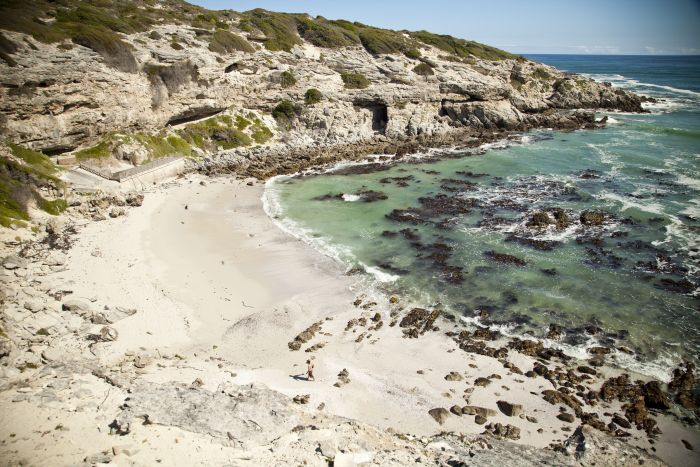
(192, 115)
(380, 117)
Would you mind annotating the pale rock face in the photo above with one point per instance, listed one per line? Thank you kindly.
(57, 100)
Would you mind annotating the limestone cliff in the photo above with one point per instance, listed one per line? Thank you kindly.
(129, 79)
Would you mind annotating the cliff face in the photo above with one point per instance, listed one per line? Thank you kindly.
(76, 89)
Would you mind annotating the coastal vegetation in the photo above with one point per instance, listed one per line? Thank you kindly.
(21, 178)
(312, 96)
(98, 25)
(285, 112)
(223, 41)
(354, 80)
(423, 69)
(212, 134)
(287, 79)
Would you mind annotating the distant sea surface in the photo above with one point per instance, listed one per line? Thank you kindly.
(465, 231)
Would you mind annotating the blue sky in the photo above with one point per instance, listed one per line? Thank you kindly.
(520, 26)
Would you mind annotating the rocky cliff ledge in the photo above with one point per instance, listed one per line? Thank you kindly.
(138, 80)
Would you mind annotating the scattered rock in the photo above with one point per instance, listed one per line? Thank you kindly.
(301, 398)
(566, 417)
(439, 414)
(108, 334)
(592, 217)
(483, 382)
(14, 262)
(453, 376)
(503, 431)
(509, 409)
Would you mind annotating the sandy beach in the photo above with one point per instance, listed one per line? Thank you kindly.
(220, 291)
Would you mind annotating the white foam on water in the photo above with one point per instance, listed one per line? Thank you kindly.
(607, 157)
(690, 182)
(623, 81)
(351, 198)
(627, 203)
(274, 210)
(379, 275)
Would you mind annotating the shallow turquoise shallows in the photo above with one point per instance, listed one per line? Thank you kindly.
(631, 281)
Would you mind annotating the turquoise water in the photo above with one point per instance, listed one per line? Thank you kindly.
(633, 280)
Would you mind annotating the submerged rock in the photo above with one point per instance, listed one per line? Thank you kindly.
(504, 258)
(592, 217)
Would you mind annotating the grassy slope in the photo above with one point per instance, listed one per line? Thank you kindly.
(20, 180)
(97, 24)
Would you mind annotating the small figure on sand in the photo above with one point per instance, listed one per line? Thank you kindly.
(310, 370)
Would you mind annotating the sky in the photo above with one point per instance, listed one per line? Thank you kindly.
(520, 26)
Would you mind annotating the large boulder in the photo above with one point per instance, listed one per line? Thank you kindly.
(439, 414)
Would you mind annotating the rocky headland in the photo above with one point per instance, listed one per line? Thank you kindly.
(128, 335)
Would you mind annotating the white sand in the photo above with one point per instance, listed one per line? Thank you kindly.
(213, 278)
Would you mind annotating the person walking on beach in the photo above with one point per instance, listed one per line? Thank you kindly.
(310, 370)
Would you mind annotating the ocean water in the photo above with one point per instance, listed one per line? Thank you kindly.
(434, 228)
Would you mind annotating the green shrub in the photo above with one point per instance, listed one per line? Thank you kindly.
(19, 182)
(322, 33)
(460, 47)
(173, 76)
(381, 41)
(287, 79)
(232, 138)
(413, 53)
(285, 112)
(284, 109)
(38, 162)
(113, 50)
(261, 133)
(54, 207)
(155, 35)
(355, 80)
(242, 123)
(223, 42)
(312, 96)
(541, 74)
(217, 131)
(280, 29)
(176, 45)
(101, 150)
(423, 69)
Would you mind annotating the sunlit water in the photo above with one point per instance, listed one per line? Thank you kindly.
(635, 276)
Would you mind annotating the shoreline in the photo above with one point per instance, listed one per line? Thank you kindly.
(660, 369)
(225, 316)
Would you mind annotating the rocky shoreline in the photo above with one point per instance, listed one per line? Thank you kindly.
(162, 326)
(263, 163)
(51, 341)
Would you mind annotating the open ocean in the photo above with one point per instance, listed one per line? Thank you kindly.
(633, 281)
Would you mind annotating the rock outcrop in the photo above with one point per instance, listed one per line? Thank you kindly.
(61, 93)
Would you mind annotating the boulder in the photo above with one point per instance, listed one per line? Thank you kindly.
(14, 262)
(592, 218)
(77, 306)
(108, 334)
(566, 417)
(654, 397)
(5, 346)
(510, 409)
(439, 414)
(34, 305)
